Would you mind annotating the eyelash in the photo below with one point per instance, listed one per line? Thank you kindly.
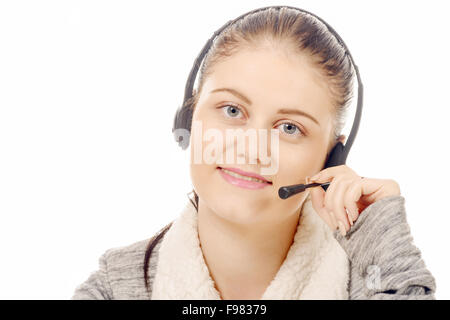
(223, 107)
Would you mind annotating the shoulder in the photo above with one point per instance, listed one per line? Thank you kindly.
(124, 270)
(125, 266)
(119, 275)
(132, 255)
(126, 256)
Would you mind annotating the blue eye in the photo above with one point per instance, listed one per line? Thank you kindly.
(231, 111)
(291, 129)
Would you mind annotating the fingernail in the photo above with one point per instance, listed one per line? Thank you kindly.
(342, 228)
(315, 177)
(349, 214)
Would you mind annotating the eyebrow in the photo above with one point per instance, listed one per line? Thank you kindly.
(281, 111)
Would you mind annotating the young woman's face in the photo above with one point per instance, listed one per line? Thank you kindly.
(264, 81)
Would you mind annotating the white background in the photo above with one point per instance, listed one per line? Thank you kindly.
(88, 92)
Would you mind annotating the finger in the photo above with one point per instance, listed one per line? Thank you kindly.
(327, 174)
(352, 196)
(334, 219)
(349, 216)
(317, 197)
(334, 200)
(328, 205)
(329, 219)
(370, 188)
(339, 202)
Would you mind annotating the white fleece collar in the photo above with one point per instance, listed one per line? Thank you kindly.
(316, 266)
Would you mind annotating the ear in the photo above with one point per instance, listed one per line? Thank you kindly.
(342, 138)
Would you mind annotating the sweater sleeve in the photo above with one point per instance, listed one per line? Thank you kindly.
(382, 253)
(97, 286)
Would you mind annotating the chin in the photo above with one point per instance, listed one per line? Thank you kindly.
(237, 207)
(235, 204)
(240, 212)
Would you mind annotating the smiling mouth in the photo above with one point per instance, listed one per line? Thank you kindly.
(243, 177)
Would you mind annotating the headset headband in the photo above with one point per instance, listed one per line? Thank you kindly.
(183, 118)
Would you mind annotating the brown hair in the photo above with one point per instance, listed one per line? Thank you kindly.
(299, 31)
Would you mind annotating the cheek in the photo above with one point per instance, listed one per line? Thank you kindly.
(198, 176)
(297, 162)
(207, 144)
(202, 171)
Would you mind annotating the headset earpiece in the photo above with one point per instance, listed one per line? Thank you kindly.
(336, 157)
(182, 126)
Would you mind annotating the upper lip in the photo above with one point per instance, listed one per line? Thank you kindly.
(248, 174)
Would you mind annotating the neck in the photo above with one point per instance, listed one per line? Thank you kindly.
(243, 260)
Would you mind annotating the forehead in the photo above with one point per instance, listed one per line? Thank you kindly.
(273, 77)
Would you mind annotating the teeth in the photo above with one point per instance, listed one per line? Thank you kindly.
(236, 175)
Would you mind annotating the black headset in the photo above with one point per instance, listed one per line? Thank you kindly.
(183, 117)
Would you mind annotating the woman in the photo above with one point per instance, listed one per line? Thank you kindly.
(238, 239)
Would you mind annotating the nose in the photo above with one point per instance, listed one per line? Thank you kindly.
(253, 146)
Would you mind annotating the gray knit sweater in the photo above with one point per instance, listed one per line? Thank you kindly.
(384, 262)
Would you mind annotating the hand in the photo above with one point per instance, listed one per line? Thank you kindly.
(347, 195)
